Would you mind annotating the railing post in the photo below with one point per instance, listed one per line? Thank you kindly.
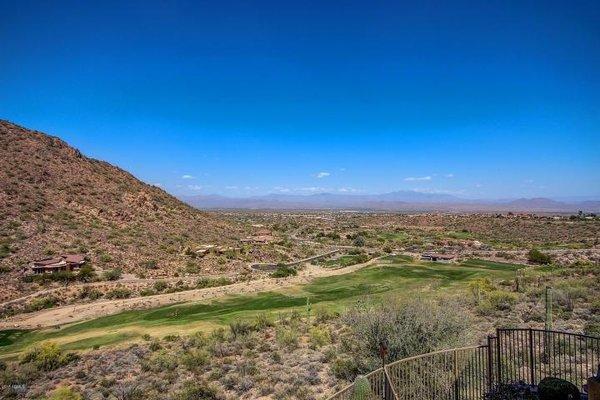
(531, 360)
(455, 368)
(498, 360)
(490, 364)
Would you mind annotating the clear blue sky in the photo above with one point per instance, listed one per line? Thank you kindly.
(481, 99)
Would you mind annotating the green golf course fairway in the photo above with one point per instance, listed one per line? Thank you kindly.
(391, 276)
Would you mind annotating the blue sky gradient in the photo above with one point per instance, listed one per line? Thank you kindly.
(488, 100)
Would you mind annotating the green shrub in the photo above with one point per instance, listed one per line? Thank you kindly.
(86, 273)
(263, 321)
(47, 357)
(557, 389)
(283, 271)
(239, 328)
(411, 327)
(113, 274)
(193, 360)
(322, 314)
(41, 303)
(502, 300)
(149, 264)
(345, 368)
(319, 336)
(592, 328)
(537, 257)
(160, 361)
(161, 285)
(287, 337)
(207, 282)
(118, 293)
(196, 391)
(4, 250)
(64, 393)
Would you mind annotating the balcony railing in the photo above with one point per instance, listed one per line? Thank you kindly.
(467, 373)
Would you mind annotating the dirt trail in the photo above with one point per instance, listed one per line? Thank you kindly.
(74, 313)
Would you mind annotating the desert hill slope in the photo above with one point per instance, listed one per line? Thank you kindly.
(54, 200)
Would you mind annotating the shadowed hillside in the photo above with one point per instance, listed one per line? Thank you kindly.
(53, 200)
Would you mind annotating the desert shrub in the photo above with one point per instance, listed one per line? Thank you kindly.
(118, 293)
(160, 361)
(239, 328)
(282, 271)
(319, 336)
(14, 380)
(113, 274)
(287, 337)
(147, 292)
(191, 268)
(413, 327)
(359, 241)
(263, 321)
(105, 258)
(193, 360)
(537, 257)
(154, 346)
(557, 389)
(4, 250)
(322, 314)
(64, 393)
(207, 282)
(89, 293)
(41, 303)
(171, 338)
(595, 307)
(149, 264)
(86, 273)
(502, 300)
(345, 368)
(196, 391)
(47, 357)
(592, 328)
(161, 285)
(479, 287)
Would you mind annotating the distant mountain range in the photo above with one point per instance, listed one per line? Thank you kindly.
(393, 201)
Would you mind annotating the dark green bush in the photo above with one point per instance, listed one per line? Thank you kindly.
(113, 274)
(282, 271)
(537, 257)
(196, 391)
(557, 389)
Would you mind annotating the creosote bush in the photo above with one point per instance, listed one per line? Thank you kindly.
(537, 257)
(64, 393)
(47, 357)
(413, 327)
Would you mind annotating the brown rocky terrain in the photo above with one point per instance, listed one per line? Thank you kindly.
(55, 200)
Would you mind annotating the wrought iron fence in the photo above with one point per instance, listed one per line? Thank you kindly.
(529, 355)
(466, 373)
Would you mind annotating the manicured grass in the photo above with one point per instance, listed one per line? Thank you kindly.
(394, 276)
(345, 260)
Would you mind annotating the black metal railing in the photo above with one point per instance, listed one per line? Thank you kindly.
(529, 355)
(467, 373)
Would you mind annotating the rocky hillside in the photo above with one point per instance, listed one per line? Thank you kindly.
(53, 200)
